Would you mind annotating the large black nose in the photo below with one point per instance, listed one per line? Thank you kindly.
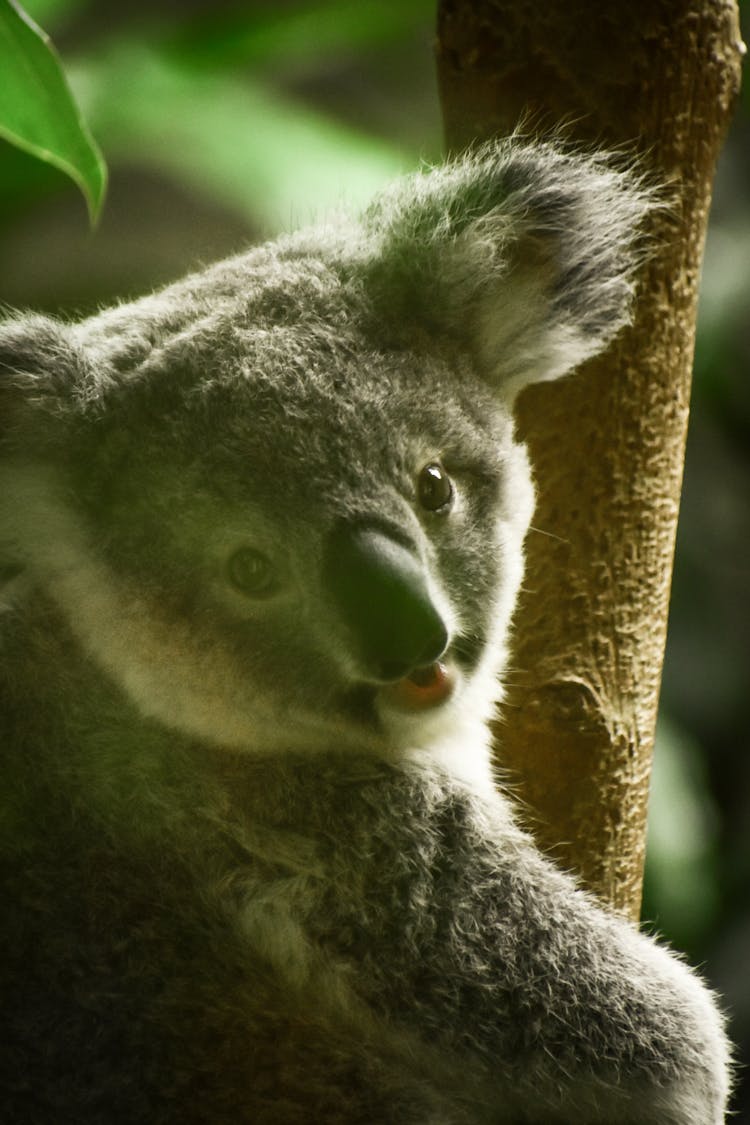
(380, 587)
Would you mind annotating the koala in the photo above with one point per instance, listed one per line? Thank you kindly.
(261, 536)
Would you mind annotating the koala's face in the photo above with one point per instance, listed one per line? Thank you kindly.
(279, 503)
(312, 542)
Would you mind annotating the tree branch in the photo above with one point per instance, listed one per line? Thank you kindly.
(658, 79)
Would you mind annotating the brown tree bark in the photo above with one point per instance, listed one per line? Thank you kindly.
(658, 77)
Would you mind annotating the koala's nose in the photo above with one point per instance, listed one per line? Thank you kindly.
(379, 586)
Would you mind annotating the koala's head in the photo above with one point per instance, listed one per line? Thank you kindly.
(280, 503)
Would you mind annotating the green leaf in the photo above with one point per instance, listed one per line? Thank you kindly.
(37, 109)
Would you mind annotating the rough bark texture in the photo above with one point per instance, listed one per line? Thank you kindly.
(659, 77)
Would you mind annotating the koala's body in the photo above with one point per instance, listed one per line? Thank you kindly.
(262, 535)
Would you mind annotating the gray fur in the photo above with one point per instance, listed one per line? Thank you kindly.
(249, 877)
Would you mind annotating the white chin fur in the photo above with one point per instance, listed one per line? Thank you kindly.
(455, 734)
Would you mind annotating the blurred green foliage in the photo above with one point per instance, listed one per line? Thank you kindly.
(232, 137)
(251, 117)
(198, 97)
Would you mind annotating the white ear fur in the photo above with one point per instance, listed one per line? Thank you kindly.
(515, 331)
(524, 253)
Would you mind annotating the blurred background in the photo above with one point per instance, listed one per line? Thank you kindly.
(225, 122)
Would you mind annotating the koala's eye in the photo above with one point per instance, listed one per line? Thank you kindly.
(252, 573)
(434, 487)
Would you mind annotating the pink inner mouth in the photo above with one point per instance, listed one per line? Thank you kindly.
(423, 688)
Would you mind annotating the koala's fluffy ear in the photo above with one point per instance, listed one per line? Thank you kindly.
(43, 375)
(523, 253)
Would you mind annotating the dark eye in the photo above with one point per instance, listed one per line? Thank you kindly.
(434, 487)
(252, 573)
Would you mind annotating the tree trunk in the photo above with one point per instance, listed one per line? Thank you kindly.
(658, 77)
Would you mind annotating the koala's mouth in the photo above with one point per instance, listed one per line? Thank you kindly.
(421, 690)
